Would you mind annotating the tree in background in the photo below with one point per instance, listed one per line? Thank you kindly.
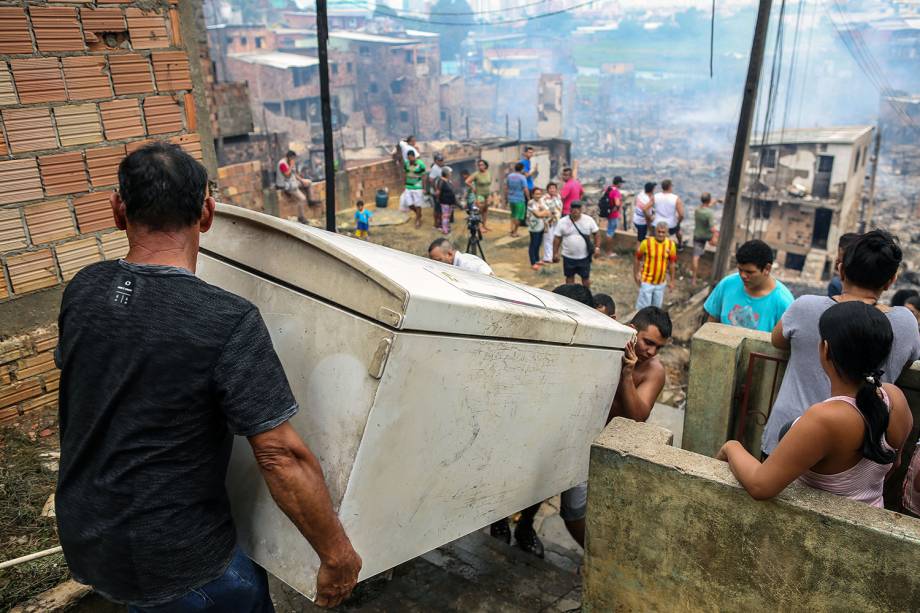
(452, 36)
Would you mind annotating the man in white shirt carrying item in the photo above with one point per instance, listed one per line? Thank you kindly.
(578, 240)
(442, 250)
(669, 207)
(293, 187)
(405, 146)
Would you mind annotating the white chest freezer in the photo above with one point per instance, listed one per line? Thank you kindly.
(437, 400)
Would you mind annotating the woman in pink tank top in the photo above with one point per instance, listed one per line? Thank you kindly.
(847, 444)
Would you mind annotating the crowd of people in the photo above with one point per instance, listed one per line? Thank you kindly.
(141, 504)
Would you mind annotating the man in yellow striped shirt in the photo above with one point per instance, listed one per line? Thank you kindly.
(655, 267)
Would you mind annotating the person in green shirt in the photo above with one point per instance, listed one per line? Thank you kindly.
(481, 182)
(412, 198)
(703, 230)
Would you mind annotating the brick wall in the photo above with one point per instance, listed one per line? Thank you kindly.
(81, 85)
(28, 377)
(241, 185)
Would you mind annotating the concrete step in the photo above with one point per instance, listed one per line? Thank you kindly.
(474, 573)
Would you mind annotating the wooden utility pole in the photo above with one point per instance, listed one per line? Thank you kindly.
(322, 39)
(742, 137)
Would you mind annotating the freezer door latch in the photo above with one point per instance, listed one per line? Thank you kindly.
(379, 361)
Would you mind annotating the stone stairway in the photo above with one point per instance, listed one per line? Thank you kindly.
(474, 573)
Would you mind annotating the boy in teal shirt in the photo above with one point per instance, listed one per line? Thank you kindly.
(750, 298)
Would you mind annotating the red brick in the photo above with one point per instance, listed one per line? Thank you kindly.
(14, 31)
(29, 129)
(162, 114)
(56, 28)
(103, 165)
(32, 271)
(130, 74)
(94, 212)
(49, 221)
(39, 80)
(147, 29)
(86, 78)
(121, 119)
(63, 173)
(19, 181)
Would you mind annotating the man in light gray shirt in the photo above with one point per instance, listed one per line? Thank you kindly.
(869, 267)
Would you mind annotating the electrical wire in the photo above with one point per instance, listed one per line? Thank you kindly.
(402, 17)
(712, 36)
(468, 13)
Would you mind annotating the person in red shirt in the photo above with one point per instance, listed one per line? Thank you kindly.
(615, 196)
(571, 190)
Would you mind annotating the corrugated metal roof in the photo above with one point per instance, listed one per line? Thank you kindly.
(86, 78)
(147, 29)
(56, 28)
(94, 212)
(75, 255)
(276, 59)
(103, 20)
(162, 114)
(114, 245)
(39, 80)
(843, 135)
(130, 74)
(19, 181)
(102, 164)
(78, 124)
(121, 119)
(12, 234)
(32, 271)
(14, 31)
(63, 173)
(29, 129)
(7, 92)
(49, 221)
(171, 70)
(364, 37)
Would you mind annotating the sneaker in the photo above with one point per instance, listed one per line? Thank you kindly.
(501, 531)
(528, 540)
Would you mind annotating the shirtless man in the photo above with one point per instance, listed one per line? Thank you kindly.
(641, 380)
(642, 377)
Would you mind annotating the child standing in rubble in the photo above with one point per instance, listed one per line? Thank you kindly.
(847, 444)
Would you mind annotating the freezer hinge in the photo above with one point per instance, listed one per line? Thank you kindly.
(379, 361)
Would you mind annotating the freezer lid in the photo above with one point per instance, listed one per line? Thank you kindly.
(401, 290)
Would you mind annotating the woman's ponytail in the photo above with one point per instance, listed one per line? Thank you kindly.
(859, 339)
(873, 408)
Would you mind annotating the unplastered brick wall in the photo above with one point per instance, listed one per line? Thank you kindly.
(81, 85)
(28, 376)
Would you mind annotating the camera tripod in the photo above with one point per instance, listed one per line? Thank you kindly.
(473, 244)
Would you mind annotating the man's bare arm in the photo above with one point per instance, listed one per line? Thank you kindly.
(637, 402)
(557, 242)
(295, 480)
(680, 210)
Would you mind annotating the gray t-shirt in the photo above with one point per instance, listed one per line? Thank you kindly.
(805, 382)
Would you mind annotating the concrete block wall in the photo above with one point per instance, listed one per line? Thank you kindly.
(670, 530)
(81, 84)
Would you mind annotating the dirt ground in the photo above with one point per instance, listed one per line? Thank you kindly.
(28, 474)
(508, 258)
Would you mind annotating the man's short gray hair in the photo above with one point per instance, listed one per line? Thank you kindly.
(663, 222)
(440, 243)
